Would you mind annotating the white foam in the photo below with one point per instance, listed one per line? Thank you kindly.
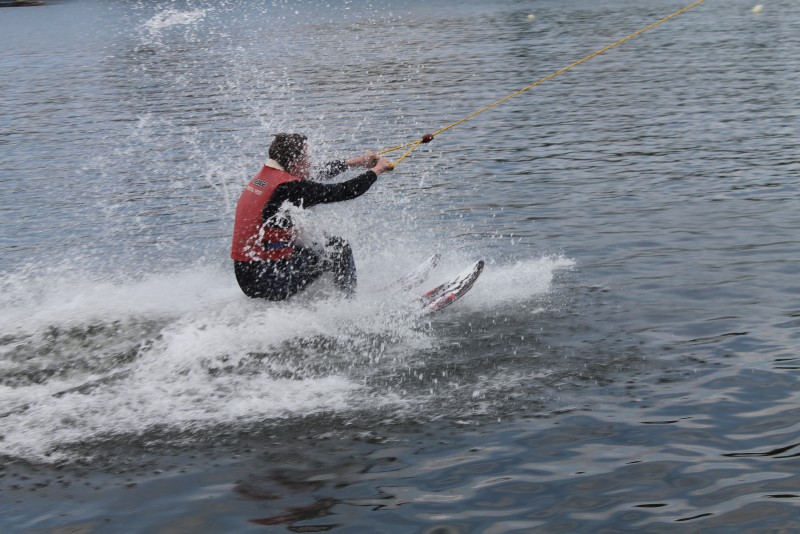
(173, 17)
(516, 283)
(67, 297)
(157, 397)
(217, 357)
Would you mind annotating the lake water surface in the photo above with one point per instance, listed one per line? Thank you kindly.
(628, 361)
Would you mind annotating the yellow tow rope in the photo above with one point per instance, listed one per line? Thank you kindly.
(427, 138)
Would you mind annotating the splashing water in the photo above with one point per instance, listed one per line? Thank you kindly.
(90, 359)
(139, 325)
(172, 17)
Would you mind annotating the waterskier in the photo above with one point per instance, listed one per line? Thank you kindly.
(269, 258)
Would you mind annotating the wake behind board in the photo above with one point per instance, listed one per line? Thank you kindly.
(445, 294)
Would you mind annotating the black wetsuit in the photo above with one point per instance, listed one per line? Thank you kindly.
(280, 279)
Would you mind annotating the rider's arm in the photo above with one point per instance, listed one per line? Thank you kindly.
(331, 169)
(306, 193)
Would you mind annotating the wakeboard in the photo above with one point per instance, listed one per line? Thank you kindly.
(447, 293)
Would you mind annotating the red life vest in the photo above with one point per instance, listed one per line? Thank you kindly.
(253, 239)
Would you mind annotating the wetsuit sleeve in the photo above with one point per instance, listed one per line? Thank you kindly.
(331, 169)
(306, 193)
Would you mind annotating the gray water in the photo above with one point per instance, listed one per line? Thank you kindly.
(628, 361)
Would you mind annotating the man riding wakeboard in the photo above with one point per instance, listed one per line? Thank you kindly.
(270, 261)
